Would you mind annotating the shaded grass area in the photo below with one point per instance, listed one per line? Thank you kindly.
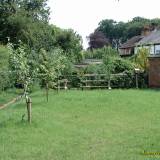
(83, 125)
(9, 95)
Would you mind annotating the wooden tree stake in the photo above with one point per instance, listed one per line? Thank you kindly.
(29, 109)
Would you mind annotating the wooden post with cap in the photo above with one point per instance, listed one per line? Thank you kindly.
(137, 70)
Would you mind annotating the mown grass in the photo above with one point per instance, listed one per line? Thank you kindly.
(83, 125)
(8, 95)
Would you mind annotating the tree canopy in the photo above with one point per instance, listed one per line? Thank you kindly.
(118, 32)
(28, 21)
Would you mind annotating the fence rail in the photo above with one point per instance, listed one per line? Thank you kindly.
(88, 81)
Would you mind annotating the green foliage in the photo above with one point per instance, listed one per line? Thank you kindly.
(18, 17)
(36, 34)
(4, 57)
(108, 65)
(141, 59)
(122, 65)
(5, 81)
(19, 67)
(50, 65)
(99, 53)
(94, 69)
(97, 40)
(70, 42)
(110, 56)
(69, 67)
(118, 32)
(119, 71)
(27, 21)
(126, 80)
(113, 31)
(37, 9)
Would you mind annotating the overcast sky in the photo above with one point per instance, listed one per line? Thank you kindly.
(84, 15)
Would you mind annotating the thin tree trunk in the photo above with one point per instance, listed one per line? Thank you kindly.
(25, 90)
(58, 87)
(47, 92)
(109, 81)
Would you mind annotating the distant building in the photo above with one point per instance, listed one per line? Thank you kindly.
(148, 39)
(128, 48)
(151, 42)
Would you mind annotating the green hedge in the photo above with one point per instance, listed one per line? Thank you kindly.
(123, 66)
(5, 79)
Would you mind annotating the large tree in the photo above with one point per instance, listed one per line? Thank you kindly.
(112, 30)
(118, 32)
(97, 40)
(19, 18)
(70, 42)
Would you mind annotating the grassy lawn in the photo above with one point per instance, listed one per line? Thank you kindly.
(9, 95)
(83, 125)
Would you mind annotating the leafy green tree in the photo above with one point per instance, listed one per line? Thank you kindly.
(97, 40)
(27, 21)
(5, 81)
(108, 68)
(37, 9)
(50, 68)
(19, 67)
(112, 30)
(118, 32)
(70, 42)
(108, 63)
(19, 19)
(141, 59)
(21, 71)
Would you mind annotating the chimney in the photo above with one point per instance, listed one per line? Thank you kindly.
(146, 30)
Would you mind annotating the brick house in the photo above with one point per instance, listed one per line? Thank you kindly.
(151, 41)
(128, 48)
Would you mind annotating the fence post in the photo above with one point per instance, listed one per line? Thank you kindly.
(65, 84)
(137, 70)
(29, 109)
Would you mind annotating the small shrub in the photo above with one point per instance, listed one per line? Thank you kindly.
(5, 79)
(122, 65)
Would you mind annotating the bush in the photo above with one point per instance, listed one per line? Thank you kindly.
(126, 80)
(127, 77)
(122, 65)
(5, 81)
(99, 53)
(94, 69)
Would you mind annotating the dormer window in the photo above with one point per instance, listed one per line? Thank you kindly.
(157, 49)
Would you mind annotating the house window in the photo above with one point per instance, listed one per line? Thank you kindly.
(157, 49)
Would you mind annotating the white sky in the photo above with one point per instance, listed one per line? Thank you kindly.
(84, 15)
